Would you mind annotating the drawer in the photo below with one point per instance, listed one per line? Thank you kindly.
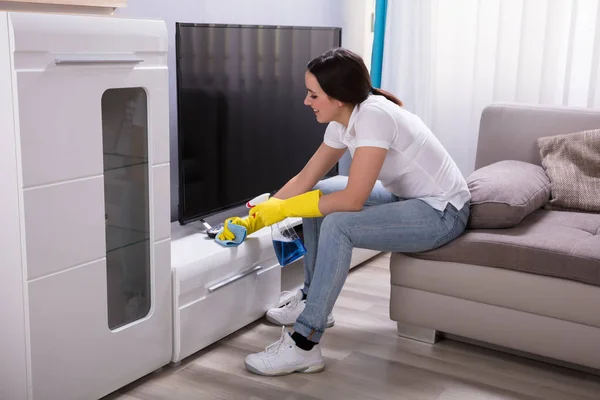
(230, 304)
(200, 262)
(64, 226)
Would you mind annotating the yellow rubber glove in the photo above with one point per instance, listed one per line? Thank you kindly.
(252, 224)
(275, 210)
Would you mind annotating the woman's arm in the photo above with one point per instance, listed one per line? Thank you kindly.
(375, 134)
(376, 131)
(364, 171)
(320, 163)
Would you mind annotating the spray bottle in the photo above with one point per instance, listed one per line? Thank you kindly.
(287, 244)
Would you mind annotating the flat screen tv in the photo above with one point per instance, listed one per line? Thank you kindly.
(243, 129)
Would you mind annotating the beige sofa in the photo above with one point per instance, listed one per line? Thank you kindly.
(533, 288)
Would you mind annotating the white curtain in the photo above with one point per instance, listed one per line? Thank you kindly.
(448, 59)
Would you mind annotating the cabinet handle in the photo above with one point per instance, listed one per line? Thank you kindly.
(234, 278)
(95, 60)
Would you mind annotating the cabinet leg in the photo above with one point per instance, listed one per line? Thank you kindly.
(418, 333)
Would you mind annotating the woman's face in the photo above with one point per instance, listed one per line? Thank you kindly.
(325, 108)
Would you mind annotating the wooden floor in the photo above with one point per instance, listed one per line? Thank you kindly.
(365, 360)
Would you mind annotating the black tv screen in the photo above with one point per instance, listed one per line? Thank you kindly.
(243, 127)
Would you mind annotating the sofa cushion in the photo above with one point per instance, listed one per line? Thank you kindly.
(572, 162)
(562, 299)
(561, 244)
(504, 193)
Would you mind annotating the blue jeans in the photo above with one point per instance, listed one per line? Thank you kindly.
(387, 223)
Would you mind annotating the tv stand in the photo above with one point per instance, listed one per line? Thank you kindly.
(218, 290)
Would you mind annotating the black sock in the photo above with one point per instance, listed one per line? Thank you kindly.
(302, 342)
(303, 296)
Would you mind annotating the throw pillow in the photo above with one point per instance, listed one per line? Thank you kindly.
(572, 161)
(504, 193)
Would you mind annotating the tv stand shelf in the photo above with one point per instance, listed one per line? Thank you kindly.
(118, 161)
(218, 290)
(118, 237)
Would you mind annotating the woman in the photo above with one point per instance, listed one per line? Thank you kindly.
(403, 194)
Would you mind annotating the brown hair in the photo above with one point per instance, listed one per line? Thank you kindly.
(344, 76)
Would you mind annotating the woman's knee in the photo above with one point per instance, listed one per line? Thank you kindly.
(333, 184)
(337, 222)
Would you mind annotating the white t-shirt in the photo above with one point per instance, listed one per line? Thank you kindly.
(416, 165)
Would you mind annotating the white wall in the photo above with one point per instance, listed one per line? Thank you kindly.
(356, 26)
(267, 12)
(357, 36)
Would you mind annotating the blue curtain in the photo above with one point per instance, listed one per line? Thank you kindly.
(378, 38)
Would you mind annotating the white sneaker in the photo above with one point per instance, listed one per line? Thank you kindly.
(283, 357)
(288, 314)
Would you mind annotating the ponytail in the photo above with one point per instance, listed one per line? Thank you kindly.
(387, 95)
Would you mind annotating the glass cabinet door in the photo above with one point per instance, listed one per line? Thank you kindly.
(126, 193)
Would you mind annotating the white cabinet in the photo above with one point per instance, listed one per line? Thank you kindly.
(85, 281)
(63, 6)
(218, 290)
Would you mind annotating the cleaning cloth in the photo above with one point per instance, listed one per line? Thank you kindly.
(239, 232)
